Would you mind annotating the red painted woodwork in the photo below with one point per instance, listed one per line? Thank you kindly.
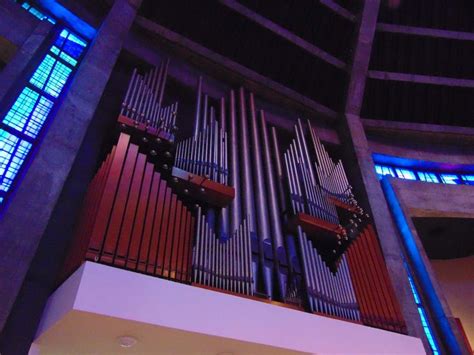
(374, 292)
(318, 230)
(132, 219)
(203, 189)
(342, 205)
(133, 127)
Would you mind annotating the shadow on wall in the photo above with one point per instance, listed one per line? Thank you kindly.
(456, 277)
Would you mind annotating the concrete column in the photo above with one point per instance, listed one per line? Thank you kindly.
(13, 71)
(28, 214)
(358, 157)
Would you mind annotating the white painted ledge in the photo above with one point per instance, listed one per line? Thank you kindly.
(99, 303)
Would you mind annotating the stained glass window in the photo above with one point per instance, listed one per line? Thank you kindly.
(24, 120)
(426, 176)
(422, 313)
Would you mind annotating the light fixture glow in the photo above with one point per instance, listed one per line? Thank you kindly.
(127, 341)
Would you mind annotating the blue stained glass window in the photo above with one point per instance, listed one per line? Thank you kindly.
(41, 74)
(27, 115)
(38, 117)
(13, 152)
(57, 79)
(70, 43)
(450, 179)
(382, 170)
(405, 174)
(68, 59)
(428, 177)
(37, 13)
(422, 314)
(21, 109)
(51, 76)
(468, 179)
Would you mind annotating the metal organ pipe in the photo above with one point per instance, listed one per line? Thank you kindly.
(282, 225)
(274, 211)
(246, 182)
(263, 227)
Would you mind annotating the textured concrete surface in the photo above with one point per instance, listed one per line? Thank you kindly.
(16, 24)
(28, 34)
(358, 157)
(20, 229)
(405, 206)
(435, 200)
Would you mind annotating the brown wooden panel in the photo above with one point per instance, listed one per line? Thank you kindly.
(132, 205)
(178, 256)
(120, 202)
(156, 237)
(383, 307)
(170, 236)
(176, 237)
(140, 217)
(361, 297)
(203, 189)
(164, 232)
(148, 225)
(107, 198)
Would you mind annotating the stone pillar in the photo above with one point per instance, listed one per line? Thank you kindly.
(12, 72)
(361, 167)
(25, 219)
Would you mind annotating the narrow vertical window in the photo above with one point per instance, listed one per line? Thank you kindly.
(24, 120)
(422, 313)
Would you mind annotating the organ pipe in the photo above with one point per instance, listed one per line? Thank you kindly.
(232, 208)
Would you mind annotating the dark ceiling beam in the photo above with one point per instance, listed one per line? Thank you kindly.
(458, 134)
(425, 32)
(421, 79)
(227, 68)
(283, 33)
(338, 9)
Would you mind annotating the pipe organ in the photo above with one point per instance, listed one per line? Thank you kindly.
(231, 208)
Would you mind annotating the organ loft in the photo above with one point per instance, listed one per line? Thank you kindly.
(236, 177)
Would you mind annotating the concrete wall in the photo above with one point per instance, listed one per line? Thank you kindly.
(435, 200)
(16, 24)
(456, 278)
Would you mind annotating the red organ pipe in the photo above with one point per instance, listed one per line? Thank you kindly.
(132, 219)
(372, 286)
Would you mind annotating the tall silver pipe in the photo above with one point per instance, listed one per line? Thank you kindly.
(234, 173)
(126, 99)
(263, 226)
(247, 183)
(197, 115)
(223, 221)
(163, 82)
(274, 211)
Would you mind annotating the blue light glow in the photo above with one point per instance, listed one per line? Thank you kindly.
(412, 174)
(405, 174)
(450, 179)
(421, 274)
(27, 115)
(428, 177)
(37, 13)
(422, 313)
(13, 152)
(468, 179)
